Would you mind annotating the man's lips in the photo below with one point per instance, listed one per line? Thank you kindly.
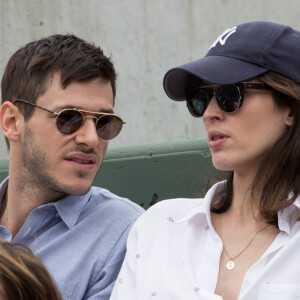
(82, 158)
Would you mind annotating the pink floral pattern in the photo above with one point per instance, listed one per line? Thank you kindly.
(170, 219)
(153, 294)
(138, 256)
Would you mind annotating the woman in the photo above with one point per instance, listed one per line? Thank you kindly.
(23, 276)
(242, 240)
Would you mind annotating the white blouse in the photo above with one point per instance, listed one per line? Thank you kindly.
(173, 253)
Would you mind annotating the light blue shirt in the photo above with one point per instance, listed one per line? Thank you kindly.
(80, 239)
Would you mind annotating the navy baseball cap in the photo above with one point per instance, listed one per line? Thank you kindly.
(240, 53)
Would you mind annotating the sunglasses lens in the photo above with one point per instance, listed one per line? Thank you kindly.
(108, 127)
(69, 121)
(229, 97)
(197, 102)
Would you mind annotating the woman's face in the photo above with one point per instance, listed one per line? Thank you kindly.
(239, 141)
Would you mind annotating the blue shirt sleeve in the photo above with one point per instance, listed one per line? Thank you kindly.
(102, 288)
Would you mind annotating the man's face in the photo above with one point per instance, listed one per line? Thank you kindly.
(65, 164)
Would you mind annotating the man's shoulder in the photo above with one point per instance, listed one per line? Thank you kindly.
(104, 199)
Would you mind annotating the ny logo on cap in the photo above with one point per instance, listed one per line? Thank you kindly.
(223, 37)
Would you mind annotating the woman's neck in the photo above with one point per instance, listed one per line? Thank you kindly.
(245, 200)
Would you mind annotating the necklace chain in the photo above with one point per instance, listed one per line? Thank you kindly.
(231, 264)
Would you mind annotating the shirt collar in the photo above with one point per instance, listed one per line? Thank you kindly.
(287, 216)
(68, 208)
(297, 202)
(214, 193)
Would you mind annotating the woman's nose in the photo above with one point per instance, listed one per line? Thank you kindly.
(213, 111)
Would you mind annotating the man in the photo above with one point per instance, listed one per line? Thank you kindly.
(57, 116)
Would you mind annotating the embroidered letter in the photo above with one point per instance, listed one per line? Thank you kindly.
(223, 37)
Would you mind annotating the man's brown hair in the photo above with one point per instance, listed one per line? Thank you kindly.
(30, 68)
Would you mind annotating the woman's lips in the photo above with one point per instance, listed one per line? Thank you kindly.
(216, 143)
(216, 139)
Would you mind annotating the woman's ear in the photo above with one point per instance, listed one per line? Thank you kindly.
(289, 121)
(10, 120)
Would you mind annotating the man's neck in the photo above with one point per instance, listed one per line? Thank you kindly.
(14, 212)
(17, 204)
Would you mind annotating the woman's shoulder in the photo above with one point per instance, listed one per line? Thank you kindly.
(178, 210)
(176, 204)
(171, 210)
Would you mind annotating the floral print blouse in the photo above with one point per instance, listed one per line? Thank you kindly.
(173, 253)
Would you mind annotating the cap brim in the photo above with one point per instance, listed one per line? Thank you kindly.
(212, 69)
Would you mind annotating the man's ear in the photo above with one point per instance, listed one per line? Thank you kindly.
(10, 120)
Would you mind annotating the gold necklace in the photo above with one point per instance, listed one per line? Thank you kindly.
(230, 265)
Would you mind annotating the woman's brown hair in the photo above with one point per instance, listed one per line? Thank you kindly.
(23, 276)
(278, 177)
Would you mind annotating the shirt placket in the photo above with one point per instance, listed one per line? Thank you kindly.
(253, 276)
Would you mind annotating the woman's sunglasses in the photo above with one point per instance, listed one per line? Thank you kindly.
(229, 97)
(69, 120)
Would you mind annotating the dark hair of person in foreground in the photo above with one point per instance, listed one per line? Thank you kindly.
(23, 276)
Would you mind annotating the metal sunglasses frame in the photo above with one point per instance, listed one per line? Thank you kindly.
(83, 112)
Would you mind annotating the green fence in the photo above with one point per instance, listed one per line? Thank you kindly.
(149, 173)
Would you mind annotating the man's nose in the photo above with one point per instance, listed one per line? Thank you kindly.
(87, 134)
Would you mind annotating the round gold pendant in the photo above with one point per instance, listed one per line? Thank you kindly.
(230, 265)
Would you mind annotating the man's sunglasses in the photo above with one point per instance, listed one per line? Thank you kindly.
(229, 97)
(69, 120)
